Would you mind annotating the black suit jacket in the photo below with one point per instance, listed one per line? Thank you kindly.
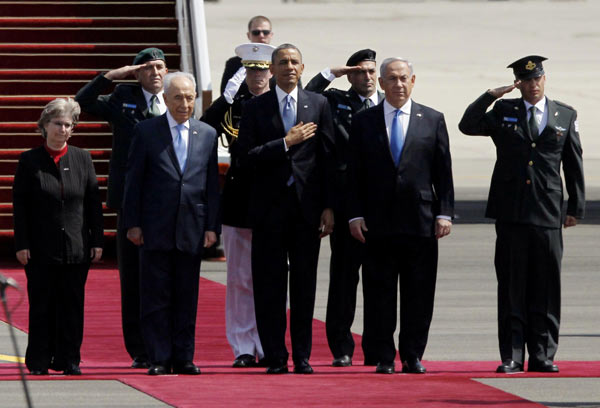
(404, 199)
(57, 210)
(260, 145)
(122, 109)
(526, 184)
(173, 209)
(344, 105)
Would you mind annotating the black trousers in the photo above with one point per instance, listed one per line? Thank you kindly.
(412, 261)
(527, 261)
(56, 300)
(129, 275)
(346, 259)
(285, 235)
(169, 301)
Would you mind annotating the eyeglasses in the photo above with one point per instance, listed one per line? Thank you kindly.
(60, 124)
(257, 32)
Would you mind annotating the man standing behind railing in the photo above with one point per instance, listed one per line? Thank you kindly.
(123, 109)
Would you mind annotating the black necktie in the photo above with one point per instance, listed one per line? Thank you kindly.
(533, 128)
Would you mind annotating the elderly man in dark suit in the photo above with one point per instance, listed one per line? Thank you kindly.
(128, 105)
(401, 202)
(533, 135)
(346, 252)
(170, 211)
(286, 135)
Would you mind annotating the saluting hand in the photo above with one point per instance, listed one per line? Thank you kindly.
(340, 71)
(299, 133)
(501, 91)
(122, 72)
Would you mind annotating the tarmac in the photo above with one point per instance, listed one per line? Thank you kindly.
(459, 49)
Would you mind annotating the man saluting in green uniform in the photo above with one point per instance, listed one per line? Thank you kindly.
(533, 135)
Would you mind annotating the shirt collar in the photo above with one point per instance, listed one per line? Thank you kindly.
(281, 94)
(173, 123)
(541, 105)
(388, 108)
(374, 98)
(148, 96)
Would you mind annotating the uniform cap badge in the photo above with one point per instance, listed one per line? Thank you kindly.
(530, 66)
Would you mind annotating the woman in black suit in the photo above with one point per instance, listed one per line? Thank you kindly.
(58, 232)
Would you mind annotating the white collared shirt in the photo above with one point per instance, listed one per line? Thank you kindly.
(160, 101)
(541, 113)
(281, 100)
(185, 132)
(389, 112)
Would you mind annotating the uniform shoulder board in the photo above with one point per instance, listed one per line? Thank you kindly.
(564, 105)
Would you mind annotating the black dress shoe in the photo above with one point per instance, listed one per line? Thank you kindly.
(413, 367)
(157, 369)
(187, 368)
(39, 372)
(302, 367)
(279, 369)
(244, 361)
(72, 369)
(542, 366)
(509, 367)
(385, 368)
(343, 361)
(140, 362)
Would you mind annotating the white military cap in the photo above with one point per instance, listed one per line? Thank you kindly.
(255, 55)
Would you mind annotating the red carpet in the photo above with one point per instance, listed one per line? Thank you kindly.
(447, 384)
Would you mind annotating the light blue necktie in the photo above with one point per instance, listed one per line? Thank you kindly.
(288, 116)
(396, 137)
(180, 147)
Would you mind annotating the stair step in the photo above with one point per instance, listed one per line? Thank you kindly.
(98, 62)
(43, 87)
(31, 114)
(14, 155)
(87, 9)
(88, 22)
(87, 35)
(29, 141)
(132, 49)
(7, 181)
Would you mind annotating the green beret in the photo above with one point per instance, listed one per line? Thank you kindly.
(149, 54)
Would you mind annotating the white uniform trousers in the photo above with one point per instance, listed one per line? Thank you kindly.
(239, 306)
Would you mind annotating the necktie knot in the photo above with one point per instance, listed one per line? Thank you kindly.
(533, 125)
(288, 116)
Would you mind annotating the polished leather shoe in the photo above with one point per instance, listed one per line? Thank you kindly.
(385, 368)
(509, 367)
(245, 360)
(281, 369)
(39, 372)
(140, 362)
(542, 367)
(157, 369)
(72, 369)
(343, 361)
(187, 368)
(302, 367)
(413, 367)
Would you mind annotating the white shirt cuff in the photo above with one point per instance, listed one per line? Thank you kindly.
(327, 74)
(354, 219)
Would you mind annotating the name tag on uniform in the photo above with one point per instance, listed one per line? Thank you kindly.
(129, 106)
(510, 119)
(345, 107)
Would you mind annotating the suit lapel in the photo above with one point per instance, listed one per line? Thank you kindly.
(165, 132)
(553, 115)
(192, 141)
(276, 119)
(302, 107)
(380, 131)
(140, 101)
(414, 126)
(523, 124)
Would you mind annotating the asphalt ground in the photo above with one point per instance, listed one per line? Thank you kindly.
(459, 49)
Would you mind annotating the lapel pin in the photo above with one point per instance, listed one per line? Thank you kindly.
(516, 108)
(419, 115)
(194, 132)
(556, 113)
(305, 106)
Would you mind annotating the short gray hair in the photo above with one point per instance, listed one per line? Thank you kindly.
(388, 61)
(58, 107)
(285, 46)
(172, 75)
